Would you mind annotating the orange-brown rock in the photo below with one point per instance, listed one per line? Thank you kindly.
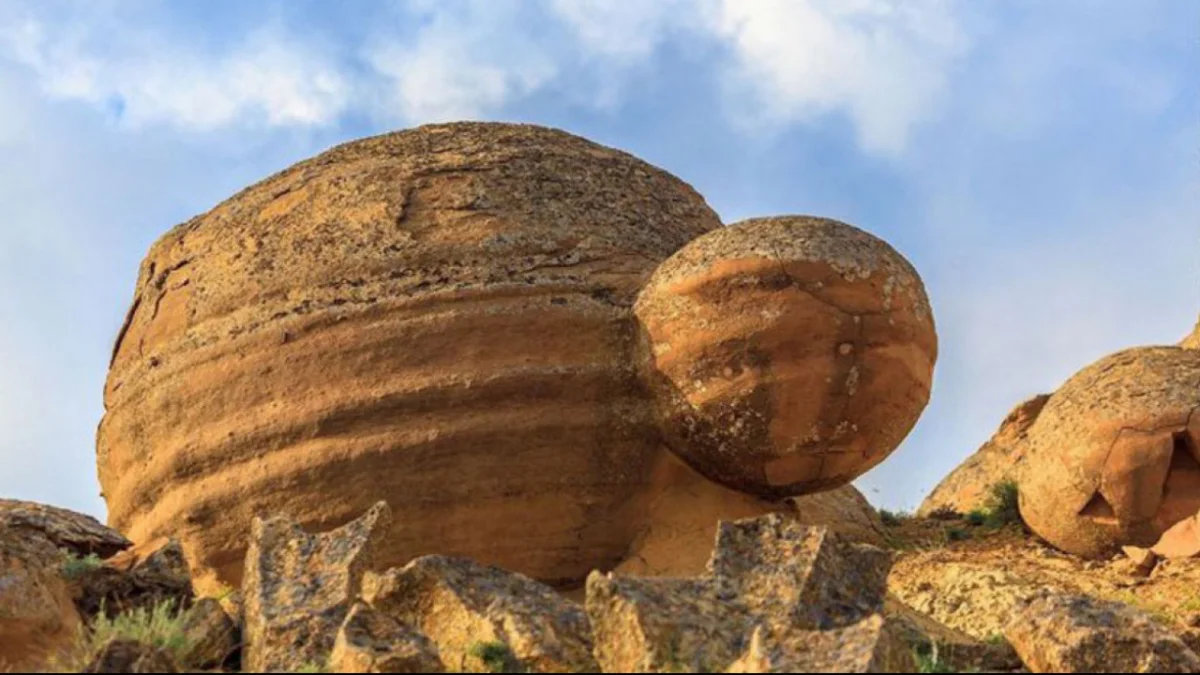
(38, 620)
(1192, 341)
(786, 355)
(684, 509)
(440, 317)
(1114, 458)
(967, 488)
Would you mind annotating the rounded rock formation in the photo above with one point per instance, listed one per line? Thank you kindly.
(1192, 341)
(439, 317)
(786, 355)
(1114, 457)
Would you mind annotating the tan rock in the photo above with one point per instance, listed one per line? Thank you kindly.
(300, 587)
(1062, 633)
(370, 642)
(212, 637)
(38, 620)
(128, 656)
(868, 646)
(1143, 560)
(461, 606)
(1181, 541)
(978, 600)
(1112, 459)
(682, 515)
(778, 595)
(142, 577)
(786, 355)
(1192, 341)
(73, 532)
(440, 317)
(968, 487)
(960, 652)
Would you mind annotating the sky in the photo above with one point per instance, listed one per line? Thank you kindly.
(1038, 162)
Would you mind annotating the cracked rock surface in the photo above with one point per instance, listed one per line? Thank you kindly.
(1114, 458)
(786, 355)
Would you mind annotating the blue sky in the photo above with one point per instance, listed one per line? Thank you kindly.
(1039, 162)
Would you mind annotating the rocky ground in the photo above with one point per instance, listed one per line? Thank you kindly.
(947, 593)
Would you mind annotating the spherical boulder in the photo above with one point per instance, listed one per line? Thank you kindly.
(1112, 459)
(439, 318)
(786, 355)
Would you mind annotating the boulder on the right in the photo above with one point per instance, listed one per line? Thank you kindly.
(1114, 457)
(1192, 341)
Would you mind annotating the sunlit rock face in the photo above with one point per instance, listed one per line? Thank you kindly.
(1114, 457)
(786, 355)
(439, 318)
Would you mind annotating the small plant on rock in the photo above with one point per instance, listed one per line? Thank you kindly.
(75, 567)
(893, 518)
(929, 661)
(160, 626)
(977, 518)
(1002, 507)
(497, 657)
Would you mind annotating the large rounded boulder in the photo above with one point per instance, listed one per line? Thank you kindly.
(1112, 459)
(439, 318)
(786, 355)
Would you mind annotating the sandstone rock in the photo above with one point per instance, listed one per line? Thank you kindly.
(1181, 541)
(786, 355)
(1112, 459)
(128, 656)
(777, 595)
(440, 317)
(300, 587)
(1192, 341)
(681, 519)
(73, 532)
(968, 487)
(461, 605)
(1143, 560)
(212, 637)
(962, 653)
(977, 600)
(138, 578)
(370, 642)
(1075, 634)
(38, 620)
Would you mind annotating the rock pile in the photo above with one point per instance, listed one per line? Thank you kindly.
(514, 328)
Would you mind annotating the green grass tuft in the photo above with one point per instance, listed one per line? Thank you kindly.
(928, 661)
(1002, 507)
(497, 657)
(75, 567)
(893, 518)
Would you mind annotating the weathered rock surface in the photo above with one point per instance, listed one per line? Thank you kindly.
(684, 508)
(129, 656)
(1181, 541)
(460, 605)
(73, 532)
(299, 588)
(212, 637)
(1192, 341)
(441, 317)
(962, 653)
(370, 642)
(141, 577)
(786, 355)
(38, 620)
(968, 487)
(1075, 634)
(1113, 458)
(778, 595)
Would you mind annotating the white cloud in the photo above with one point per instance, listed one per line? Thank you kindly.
(884, 63)
(468, 60)
(146, 79)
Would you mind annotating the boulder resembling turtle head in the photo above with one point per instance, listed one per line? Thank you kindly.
(1114, 458)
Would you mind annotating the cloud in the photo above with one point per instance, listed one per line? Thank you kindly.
(886, 64)
(144, 78)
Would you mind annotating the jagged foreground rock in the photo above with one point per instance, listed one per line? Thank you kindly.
(1060, 633)
(372, 642)
(997, 461)
(66, 530)
(38, 619)
(299, 588)
(787, 355)
(778, 597)
(1114, 457)
(501, 324)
